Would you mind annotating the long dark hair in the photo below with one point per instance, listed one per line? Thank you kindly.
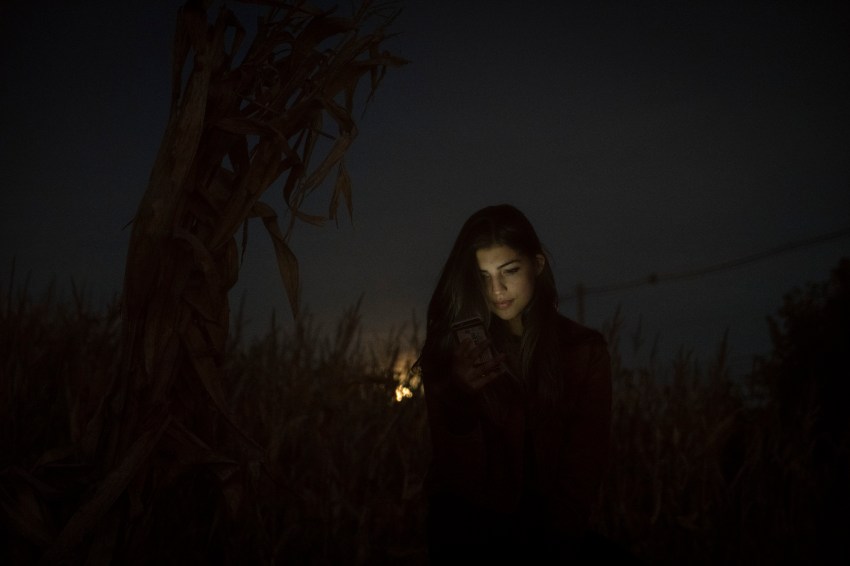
(460, 294)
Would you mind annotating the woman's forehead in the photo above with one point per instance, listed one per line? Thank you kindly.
(495, 257)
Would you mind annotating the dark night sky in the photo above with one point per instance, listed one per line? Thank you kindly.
(637, 137)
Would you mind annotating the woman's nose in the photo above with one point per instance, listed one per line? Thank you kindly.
(497, 286)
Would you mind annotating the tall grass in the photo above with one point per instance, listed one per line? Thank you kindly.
(336, 476)
(332, 465)
(346, 459)
(701, 473)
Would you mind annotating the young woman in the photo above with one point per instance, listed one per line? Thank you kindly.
(520, 441)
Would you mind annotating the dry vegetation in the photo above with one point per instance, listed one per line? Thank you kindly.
(163, 439)
(145, 433)
(704, 469)
(335, 476)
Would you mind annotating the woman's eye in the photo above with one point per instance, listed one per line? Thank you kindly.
(512, 270)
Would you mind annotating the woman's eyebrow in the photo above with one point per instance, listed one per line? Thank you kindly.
(507, 263)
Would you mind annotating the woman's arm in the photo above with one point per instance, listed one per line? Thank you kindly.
(472, 456)
(459, 460)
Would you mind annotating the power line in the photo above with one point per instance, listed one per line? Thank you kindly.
(655, 278)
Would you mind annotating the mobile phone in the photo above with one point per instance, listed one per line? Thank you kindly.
(474, 330)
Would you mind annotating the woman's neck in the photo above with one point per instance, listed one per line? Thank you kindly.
(515, 326)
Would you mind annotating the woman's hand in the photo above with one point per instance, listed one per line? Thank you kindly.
(471, 374)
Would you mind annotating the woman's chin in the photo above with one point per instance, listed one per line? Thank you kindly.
(504, 316)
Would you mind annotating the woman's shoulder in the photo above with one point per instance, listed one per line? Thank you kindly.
(572, 333)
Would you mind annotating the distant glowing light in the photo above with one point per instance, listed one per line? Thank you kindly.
(402, 392)
(408, 381)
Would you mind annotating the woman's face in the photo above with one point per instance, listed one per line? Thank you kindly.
(509, 278)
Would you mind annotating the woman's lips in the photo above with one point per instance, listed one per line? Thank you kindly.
(502, 305)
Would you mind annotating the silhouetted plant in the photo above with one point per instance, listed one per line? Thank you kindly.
(806, 381)
(165, 444)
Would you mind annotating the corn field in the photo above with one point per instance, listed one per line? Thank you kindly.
(152, 431)
(702, 470)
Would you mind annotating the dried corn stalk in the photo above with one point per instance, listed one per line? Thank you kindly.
(234, 131)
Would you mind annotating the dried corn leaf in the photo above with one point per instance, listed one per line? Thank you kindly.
(23, 512)
(84, 520)
(287, 263)
(187, 449)
(313, 135)
(340, 146)
(203, 355)
(292, 182)
(266, 166)
(320, 28)
(341, 115)
(240, 157)
(313, 219)
(159, 339)
(285, 4)
(204, 260)
(246, 126)
(180, 51)
(342, 189)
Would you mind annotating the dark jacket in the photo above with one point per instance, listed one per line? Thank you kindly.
(543, 455)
